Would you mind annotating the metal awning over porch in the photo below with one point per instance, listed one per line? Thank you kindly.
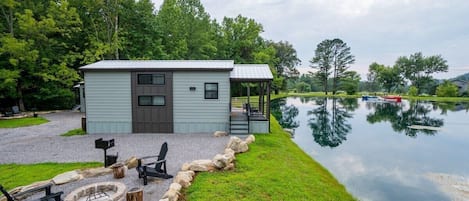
(251, 73)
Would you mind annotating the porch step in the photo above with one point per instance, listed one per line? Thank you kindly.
(239, 127)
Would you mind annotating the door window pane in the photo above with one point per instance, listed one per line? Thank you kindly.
(144, 100)
(158, 79)
(158, 100)
(155, 79)
(151, 101)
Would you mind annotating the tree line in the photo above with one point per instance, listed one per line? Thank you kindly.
(411, 75)
(43, 43)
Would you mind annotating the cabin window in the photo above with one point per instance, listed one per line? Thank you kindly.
(154, 79)
(211, 90)
(151, 101)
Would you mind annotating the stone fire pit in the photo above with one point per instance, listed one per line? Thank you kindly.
(103, 191)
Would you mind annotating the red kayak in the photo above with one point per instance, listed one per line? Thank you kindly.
(393, 98)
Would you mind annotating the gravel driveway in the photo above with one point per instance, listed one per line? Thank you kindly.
(42, 143)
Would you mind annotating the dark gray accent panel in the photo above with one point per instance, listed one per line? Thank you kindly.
(152, 119)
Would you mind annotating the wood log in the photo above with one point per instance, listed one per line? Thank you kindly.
(134, 194)
(118, 170)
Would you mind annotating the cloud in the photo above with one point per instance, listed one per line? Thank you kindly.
(347, 166)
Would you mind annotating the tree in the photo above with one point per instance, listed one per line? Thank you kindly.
(413, 91)
(388, 77)
(350, 81)
(329, 127)
(447, 89)
(418, 69)
(331, 57)
(302, 87)
(286, 62)
(36, 54)
(138, 32)
(240, 39)
(99, 38)
(373, 77)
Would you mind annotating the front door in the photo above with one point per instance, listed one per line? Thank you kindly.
(152, 102)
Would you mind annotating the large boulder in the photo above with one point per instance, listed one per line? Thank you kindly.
(230, 152)
(184, 178)
(237, 145)
(220, 133)
(221, 161)
(185, 166)
(67, 177)
(202, 166)
(250, 139)
(173, 193)
(230, 166)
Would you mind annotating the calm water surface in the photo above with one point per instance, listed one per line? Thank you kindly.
(370, 148)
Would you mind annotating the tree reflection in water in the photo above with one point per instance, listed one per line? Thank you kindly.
(285, 114)
(450, 106)
(330, 128)
(401, 120)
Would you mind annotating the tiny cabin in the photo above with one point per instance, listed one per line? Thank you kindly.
(173, 96)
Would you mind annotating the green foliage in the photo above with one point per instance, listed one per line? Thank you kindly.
(387, 77)
(15, 175)
(286, 61)
(349, 83)
(447, 89)
(22, 122)
(74, 132)
(138, 31)
(418, 69)
(302, 87)
(275, 168)
(240, 39)
(413, 91)
(186, 30)
(332, 57)
(37, 53)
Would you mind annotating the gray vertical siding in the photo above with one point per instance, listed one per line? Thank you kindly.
(108, 102)
(192, 112)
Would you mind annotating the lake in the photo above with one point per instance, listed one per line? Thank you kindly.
(374, 149)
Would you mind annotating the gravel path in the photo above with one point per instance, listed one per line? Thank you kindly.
(42, 143)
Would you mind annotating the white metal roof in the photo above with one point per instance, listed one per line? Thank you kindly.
(252, 72)
(160, 64)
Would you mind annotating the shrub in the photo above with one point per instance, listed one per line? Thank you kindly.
(302, 87)
(413, 91)
(447, 89)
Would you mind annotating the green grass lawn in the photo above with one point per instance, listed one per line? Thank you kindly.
(27, 121)
(439, 99)
(74, 132)
(14, 175)
(274, 168)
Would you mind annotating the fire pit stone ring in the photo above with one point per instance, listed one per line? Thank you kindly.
(103, 191)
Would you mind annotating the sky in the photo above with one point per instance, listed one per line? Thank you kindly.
(375, 30)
